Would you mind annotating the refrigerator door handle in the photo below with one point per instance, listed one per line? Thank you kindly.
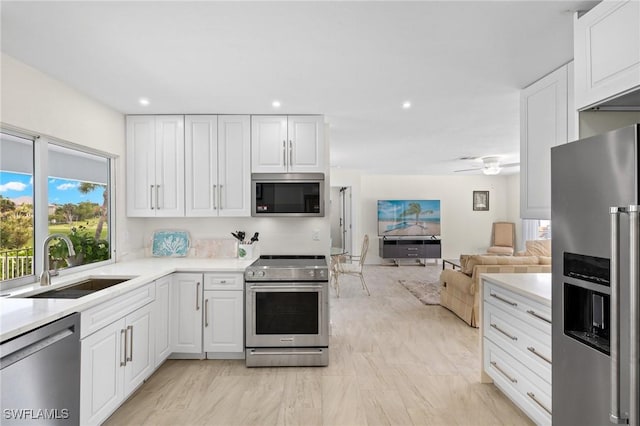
(634, 297)
(614, 413)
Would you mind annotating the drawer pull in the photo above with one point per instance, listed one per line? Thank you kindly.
(504, 332)
(537, 315)
(533, 351)
(495, 365)
(508, 302)
(533, 396)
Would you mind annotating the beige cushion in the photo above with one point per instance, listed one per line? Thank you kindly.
(500, 250)
(544, 260)
(538, 248)
(472, 261)
(503, 234)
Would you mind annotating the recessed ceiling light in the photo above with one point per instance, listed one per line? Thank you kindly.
(275, 104)
(406, 105)
(143, 101)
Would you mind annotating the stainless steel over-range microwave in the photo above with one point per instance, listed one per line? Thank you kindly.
(287, 194)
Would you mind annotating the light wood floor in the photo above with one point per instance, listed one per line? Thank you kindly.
(393, 361)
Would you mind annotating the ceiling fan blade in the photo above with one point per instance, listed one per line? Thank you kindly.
(468, 170)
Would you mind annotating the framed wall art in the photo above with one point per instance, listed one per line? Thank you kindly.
(480, 201)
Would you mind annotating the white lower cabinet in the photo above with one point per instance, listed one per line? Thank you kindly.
(516, 348)
(125, 339)
(223, 323)
(223, 315)
(115, 360)
(186, 314)
(162, 308)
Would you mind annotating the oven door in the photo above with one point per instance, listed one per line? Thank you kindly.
(287, 314)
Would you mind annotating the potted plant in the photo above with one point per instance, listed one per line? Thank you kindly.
(88, 249)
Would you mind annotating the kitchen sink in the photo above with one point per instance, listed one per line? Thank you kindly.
(81, 288)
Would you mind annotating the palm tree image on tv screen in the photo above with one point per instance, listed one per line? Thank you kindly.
(409, 218)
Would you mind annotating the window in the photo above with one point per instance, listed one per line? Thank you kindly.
(16, 207)
(69, 193)
(533, 229)
(78, 205)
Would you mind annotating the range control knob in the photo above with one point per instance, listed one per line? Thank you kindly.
(260, 273)
(250, 273)
(322, 273)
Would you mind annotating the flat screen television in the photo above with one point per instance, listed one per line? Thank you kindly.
(409, 218)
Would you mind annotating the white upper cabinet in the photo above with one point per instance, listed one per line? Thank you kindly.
(234, 165)
(217, 165)
(544, 123)
(155, 166)
(201, 165)
(607, 52)
(287, 144)
(269, 144)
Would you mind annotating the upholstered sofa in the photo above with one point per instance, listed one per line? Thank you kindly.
(459, 290)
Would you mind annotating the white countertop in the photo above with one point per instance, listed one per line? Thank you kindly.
(534, 286)
(19, 315)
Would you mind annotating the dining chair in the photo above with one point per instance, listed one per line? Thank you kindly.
(351, 265)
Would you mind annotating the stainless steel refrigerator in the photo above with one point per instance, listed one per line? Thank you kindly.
(594, 217)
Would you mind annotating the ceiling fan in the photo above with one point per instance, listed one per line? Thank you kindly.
(490, 165)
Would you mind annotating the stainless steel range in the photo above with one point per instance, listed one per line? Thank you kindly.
(287, 308)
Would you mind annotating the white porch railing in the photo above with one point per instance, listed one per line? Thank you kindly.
(16, 263)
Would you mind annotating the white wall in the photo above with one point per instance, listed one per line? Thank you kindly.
(463, 230)
(37, 103)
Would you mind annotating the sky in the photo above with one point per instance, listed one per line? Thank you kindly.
(18, 187)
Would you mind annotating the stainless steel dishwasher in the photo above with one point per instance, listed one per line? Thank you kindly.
(40, 375)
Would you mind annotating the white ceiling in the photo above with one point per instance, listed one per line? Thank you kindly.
(461, 64)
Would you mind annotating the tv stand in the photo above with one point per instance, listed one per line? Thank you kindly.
(410, 248)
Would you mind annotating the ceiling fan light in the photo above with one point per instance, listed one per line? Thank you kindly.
(493, 169)
(491, 165)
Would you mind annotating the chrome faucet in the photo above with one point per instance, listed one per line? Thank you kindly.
(45, 275)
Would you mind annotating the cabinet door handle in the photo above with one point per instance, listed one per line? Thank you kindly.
(221, 196)
(151, 197)
(290, 153)
(130, 330)
(123, 336)
(537, 315)
(508, 302)
(504, 373)
(206, 312)
(533, 396)
(214, 196)
(284, 153)
(157, 200)
(197, 296)
(514, 338)
(533, 351)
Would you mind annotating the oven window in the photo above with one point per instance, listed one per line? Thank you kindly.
(287, 313)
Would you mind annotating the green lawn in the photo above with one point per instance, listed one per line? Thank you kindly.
(91, 225)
